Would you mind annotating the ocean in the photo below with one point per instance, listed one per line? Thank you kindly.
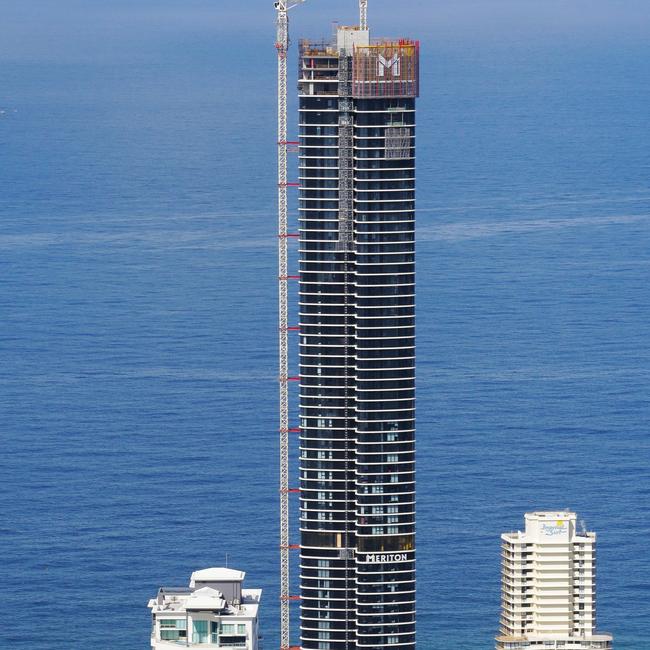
(138, 389)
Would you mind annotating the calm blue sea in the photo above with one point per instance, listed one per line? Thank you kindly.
(138, 313)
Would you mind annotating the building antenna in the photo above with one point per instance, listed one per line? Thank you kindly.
(363, 14)
(282, 8)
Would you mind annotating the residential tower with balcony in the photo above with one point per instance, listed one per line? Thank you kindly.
(548, 586)
(357, 341)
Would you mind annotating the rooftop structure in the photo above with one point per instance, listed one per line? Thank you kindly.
(549, 586)
(213, 612)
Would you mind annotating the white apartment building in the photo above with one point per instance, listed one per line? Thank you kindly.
(549, 586)
(213, 612)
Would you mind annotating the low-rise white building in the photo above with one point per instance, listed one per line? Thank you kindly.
(213, 612)
(548, 587)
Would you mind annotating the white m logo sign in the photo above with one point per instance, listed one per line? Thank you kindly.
(392, 64)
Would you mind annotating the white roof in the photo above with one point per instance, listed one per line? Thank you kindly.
(218, 574)
(206, 598)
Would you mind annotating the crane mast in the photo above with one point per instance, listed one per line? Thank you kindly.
(282, 46)
(363, 14)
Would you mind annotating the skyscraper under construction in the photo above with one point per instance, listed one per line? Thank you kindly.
(357, 341)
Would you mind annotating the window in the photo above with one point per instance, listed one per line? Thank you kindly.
(173, 629)
(232, 635)
(238, 641)
(214, 631)
(200, 633)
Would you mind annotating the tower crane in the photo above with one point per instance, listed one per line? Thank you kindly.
(282, 45)
(282, 8)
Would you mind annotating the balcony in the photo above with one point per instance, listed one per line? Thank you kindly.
(209, 642)
(168, 645)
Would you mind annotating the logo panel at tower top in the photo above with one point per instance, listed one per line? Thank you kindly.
(388, 69)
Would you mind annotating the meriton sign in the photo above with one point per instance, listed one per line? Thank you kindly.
(388, 557)
(392, 64)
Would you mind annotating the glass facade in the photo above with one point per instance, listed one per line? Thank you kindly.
(200, 632)
(173, 629)
(357, 349)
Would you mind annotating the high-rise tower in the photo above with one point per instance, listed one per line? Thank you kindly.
(357, 341)
(549, 586)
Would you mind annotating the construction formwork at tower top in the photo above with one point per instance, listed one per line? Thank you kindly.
(383, 68)
(386, 69)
